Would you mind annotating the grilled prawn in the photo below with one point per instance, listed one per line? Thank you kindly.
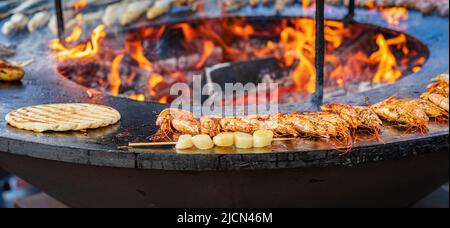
(432, 110)
(438, 92)
(178, 121)
(210, 125)
(404, 112)
(358, 117)
(322, 125)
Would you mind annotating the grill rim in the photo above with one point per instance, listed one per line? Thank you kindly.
(90, 151)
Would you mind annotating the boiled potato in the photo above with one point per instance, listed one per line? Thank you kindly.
(243, 140)
(262, 138)
(224, 140)
(10, 72)
(203, 142)
(184, 142)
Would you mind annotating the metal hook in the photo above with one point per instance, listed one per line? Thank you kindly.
(60, 20)
(320, 53)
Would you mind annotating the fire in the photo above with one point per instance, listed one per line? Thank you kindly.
(136, 51)
(80, 51)
(395, 15)
(208, 49)
(299, 45)
(209, 42)
(153, 81)
(138, 97)
(388, 71)
(114, 75)
(164, 100)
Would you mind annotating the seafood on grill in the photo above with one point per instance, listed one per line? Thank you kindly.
(53, 23)
(113, 13)
(134, 11)
(321, 125)
(281, 4)
(403, 113)
(276, 123)
(38, 21)
(442, 78)
(24, 7)
(438, 92)
(159, 8)
(337, 123)
(10, 72)
(16, 24)
(232, 5)
(310, 125)
(178, 121)
(358, 117)
(210, 125)
(432, 110)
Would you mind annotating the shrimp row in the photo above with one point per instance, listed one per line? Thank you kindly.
(338, 122)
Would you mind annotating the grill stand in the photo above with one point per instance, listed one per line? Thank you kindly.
(320, 53)
(60, 20)
(351, 13)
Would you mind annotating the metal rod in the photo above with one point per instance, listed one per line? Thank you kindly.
(60, 20)
(320, 52)
(351, 13)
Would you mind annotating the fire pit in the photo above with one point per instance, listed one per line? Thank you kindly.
(87, 169)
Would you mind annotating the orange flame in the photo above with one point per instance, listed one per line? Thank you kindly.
(153, 81)
(388, 71)
(137, 97)
(114, 75)
(136, 51)
(208, 49)
(299, 47)
(81, 51)
(294, 48)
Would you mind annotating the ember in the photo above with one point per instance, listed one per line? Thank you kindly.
(147, 61)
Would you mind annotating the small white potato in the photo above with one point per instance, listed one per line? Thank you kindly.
(243, 140)
(262, 138)
(203, 142)
(224, 139)
(184, 142)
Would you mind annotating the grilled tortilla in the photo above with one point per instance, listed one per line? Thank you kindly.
(63, 117)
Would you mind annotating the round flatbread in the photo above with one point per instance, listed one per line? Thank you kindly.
(63, 117)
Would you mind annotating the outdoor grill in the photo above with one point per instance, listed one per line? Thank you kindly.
(86, 169)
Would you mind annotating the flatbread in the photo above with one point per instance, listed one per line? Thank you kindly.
(63, 117)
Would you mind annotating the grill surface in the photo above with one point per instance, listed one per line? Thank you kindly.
(86, 170)
(98, 147)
